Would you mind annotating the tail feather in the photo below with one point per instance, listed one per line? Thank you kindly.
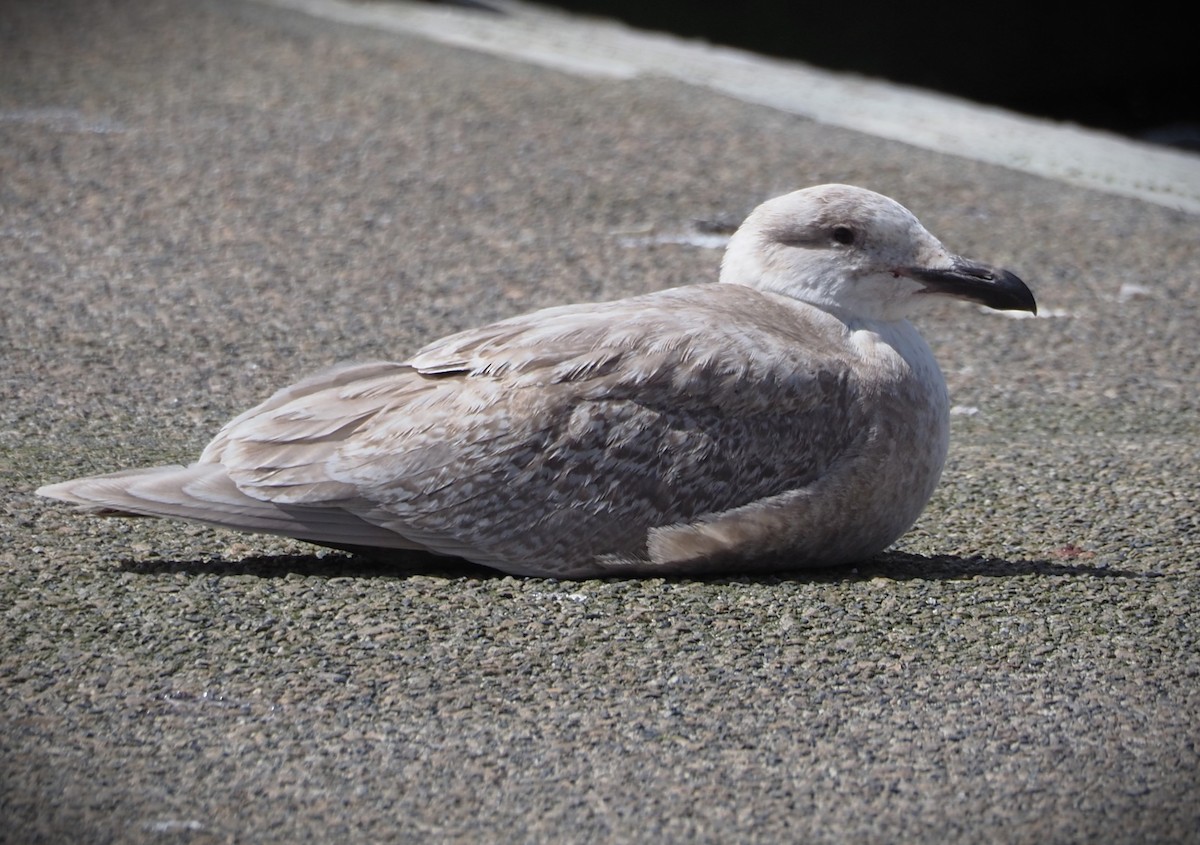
(205, 493)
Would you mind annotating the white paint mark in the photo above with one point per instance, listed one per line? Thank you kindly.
(173, 825)
(686, 239)
(1042, 314)
(1130, 291)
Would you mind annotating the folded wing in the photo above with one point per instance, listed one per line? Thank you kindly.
(539, 444)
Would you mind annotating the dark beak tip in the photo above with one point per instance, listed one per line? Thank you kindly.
(1021, 292)
(993, 287)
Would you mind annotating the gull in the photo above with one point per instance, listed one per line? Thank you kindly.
(786, 416)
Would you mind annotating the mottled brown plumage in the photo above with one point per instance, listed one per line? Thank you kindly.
(786, 416)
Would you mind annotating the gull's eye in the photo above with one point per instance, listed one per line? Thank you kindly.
(843, 235)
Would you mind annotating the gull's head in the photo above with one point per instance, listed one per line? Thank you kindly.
(858, 255)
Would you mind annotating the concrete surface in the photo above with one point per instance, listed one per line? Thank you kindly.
(201, 201)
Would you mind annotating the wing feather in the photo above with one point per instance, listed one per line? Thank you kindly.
(205, 493)
(541, 443)
(601, 423)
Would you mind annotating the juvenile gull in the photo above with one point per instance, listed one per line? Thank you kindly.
(787, 416)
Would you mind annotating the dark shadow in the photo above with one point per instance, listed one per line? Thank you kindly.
(902, 566)
(400, 564)
(894, 566)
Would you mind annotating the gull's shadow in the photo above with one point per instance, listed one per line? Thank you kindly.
(401, 564)
(903, 566)
(893, 566)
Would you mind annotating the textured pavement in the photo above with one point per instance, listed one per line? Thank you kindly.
(200, 202)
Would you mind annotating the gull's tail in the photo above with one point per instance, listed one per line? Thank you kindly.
(205, 493)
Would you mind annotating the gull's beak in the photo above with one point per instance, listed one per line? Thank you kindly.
(980, 283)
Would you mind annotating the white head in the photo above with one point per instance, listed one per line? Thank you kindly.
(857, 254)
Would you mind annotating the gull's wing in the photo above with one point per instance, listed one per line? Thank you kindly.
(544, 443)
(539, 441)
